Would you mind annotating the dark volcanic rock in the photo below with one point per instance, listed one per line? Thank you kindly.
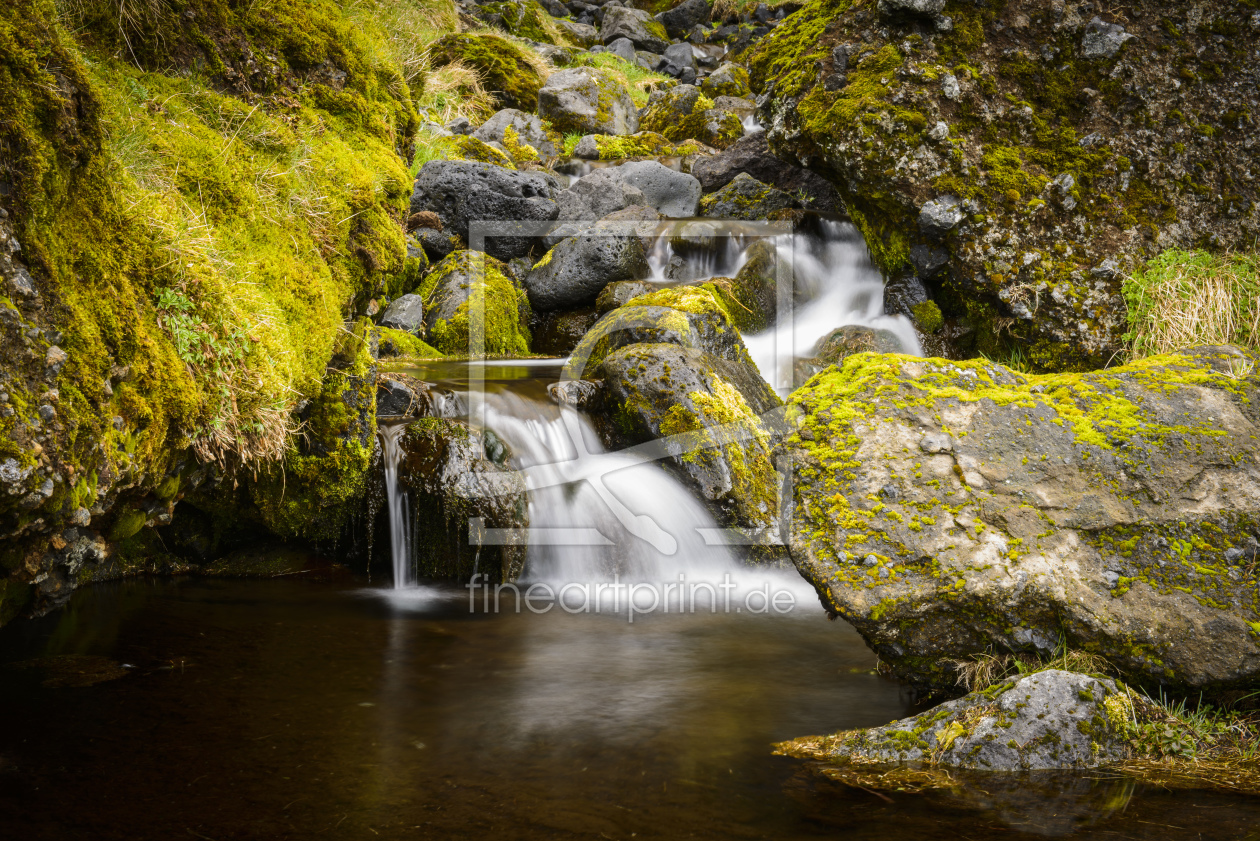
(752, 155)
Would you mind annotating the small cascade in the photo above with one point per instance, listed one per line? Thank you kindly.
(399, 514)
(751, 126)
(836, 285)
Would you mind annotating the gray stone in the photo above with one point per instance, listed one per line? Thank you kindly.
(47, 413)
(622, 48)
(740, 107)
(585, 34)
(921, 8)
(751, 154)
(578, 268)
(587, 148)
(22, 282)
(528, 127)
(1103, 40)
(684, 17)
(394, 398)
(936, 442)
(1042, 721)
(55, 358)
(928, 259)
(680, 55)
(940, 216)
(949, 86)
(619, 293)
(589, 101)
(604, 192)
(462, 191)
(405, 313)
(674, 194)
(746, 198)
(633, 24)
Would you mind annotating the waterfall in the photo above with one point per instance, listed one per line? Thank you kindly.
(399, 515)
(836, 285)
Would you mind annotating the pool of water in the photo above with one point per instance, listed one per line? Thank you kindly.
(318, 709)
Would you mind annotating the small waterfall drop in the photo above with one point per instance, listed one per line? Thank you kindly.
(399, 513)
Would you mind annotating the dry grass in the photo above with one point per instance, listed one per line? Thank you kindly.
(985, 670)
(1182, 299)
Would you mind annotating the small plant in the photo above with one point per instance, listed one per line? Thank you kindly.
(571, 142)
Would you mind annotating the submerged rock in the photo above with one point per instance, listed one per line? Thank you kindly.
(1046, 720)
(1006, 511)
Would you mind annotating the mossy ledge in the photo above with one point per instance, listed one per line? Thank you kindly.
(201, 200)
(1071, 169)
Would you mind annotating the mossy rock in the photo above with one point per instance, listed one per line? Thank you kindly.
(462, 280)
(465, 147)
(949, 509)
(684, 113)
(728, 80)
(746, 198)
(396, 343)
(605, 147)
(504, 68)
(525, 19)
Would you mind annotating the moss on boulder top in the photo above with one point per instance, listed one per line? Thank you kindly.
(951, 509)
(683, 113)
(1046, 162)
(463, 284)
(505, 70)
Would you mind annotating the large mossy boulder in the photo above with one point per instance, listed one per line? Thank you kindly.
(728, 80)
(462, 192)
(952, 509)
(504, 68)
(1047, 151)
(458, 486)
(588, 100)
(684, 113)
(526, 19)
(463, 284)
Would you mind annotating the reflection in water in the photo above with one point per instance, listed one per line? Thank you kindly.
(306, 712)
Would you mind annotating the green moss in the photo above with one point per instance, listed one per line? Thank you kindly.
(645, 144)
(127, 523)
(737, 85)
(927, 316)
(396, 343)
(465, 147)
(527, 19)
(503, 66)
(502, 301)
(14, 597)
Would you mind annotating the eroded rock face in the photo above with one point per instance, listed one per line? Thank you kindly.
(1067, 140)
(946, 509)
(1046, 720)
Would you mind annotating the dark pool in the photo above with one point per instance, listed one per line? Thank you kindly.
(298, 709)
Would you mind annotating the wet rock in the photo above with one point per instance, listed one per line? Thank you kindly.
(587, 100)
(394, 398)
(557, 333)
(684, 17)
(745, 198)
(525, 129)
(839, 345)
(405, 313)
(1008, 536)
(583, 395)
(457, 493)
(1045, 720)
(617, 294)
(903, 294)
(728, 80)
(1103, 40)
(707, 413)
(635, 25)
(673, 194)
(461, 191)
(751, 155)
(578, 268)
(682, 113)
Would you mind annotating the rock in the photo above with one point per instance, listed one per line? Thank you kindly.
(503, 67)
(745, 198)
(394, 398)
(617, 294)
(623, 48)
(680, 55)
(583, 395)
(581, 34)
(940, 216)
(460, 192)
(903, 294)
(559, 332)
(22, 282)
(728, 80)
(714, 432)
(1007, 537)
(554, 8)
(684, 17)
(454, 490)
(524, 129)
(587, 100)
(1051, 719)
(751, 155)
(587, 148)
(674, 194)
(447, 290)
(405, 313)
(645, 144)
(839, 345)
(1004, 163)
(1103, 40)
(54, 359)
(436, 244)
(922, 8)
(741, 108)
(637, 26)
(576, 270)
(682, 113)
(949, 86)
(525, 19)
(605, 192)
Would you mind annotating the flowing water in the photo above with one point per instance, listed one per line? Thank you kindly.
(399, 511)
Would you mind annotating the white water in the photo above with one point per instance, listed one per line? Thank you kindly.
(836, 285)
(399, 513)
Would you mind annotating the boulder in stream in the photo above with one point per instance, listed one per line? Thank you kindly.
(579, 267)
(947, 509)
(469, 279)
(751, 154)
(744, 197)
(674, 194)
